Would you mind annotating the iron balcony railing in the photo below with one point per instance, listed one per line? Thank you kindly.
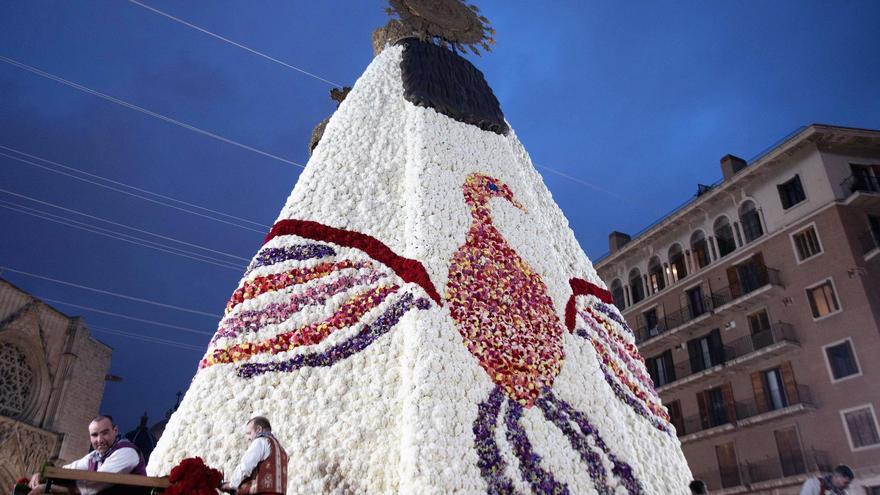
(760, 277)
(777, 333)
(752, 472)
(870, 241)
(861, 183)
(787, 464)
(721, 414)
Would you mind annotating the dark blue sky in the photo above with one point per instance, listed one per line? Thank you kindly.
(640, 99)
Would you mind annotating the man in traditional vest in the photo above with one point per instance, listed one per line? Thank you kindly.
(833, 484)
(112, 454)
(263, 468)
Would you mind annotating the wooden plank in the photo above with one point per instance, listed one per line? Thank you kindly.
(56, 473)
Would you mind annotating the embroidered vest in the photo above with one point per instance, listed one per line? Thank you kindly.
(120, 443)
(270, 475)
(825, 487)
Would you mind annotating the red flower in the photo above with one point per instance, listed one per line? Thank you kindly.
(193, 477)
(23, 481)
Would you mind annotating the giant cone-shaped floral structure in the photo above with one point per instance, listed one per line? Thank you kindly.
(421, 318)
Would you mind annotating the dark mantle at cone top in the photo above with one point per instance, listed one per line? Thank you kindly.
(435, 77)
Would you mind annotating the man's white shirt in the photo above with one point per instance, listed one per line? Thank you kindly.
(257, 452)
(120, 461)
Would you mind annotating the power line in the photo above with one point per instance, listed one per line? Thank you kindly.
(143, 110)
(239, 45)
(28, 162)
(115, 235)
(145, 338)
(53, 205)
(109, 293)
(123, 184)
(119, 315)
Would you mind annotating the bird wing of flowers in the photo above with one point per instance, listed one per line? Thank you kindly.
(313, 295)
(591, 314)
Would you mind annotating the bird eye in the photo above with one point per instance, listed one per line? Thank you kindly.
(492, 186)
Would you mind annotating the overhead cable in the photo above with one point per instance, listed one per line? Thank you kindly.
(53, 205)
(28, 162)
(107, 292)
(119, 315)
(239, 45)
(143, 110)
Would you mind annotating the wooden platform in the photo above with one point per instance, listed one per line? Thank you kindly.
(51, 474)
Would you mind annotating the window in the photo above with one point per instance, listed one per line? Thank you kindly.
(728, 467)
(841, 360)
(716, 406)
(759, 328)
(696, 301)
(823, 300)
(677, 265)
(655, 275)
(16, 381)
(652, 322)
(700, 248)
(747, 276)
(661, 369)
(791, 456)
(675, 416)
(791, 192)
(774, 389)
(724, 237)
(865, 178)
(861, 426)
(751, 221)
(636, 287)
(871, 239)
(617, 294)
(706, 352)
(806, 243)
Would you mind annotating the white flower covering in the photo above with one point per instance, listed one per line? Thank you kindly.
(398, 417)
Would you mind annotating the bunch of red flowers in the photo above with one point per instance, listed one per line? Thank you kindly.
(21, 486)
(193, 477)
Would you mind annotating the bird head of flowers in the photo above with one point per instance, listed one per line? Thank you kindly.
(479, 189)
(193, 477)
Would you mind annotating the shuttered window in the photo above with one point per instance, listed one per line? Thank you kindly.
(791, 456)
(861, 425)
(823, 300)
(806, 243)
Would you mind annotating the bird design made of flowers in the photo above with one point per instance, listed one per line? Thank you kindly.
(499, 304)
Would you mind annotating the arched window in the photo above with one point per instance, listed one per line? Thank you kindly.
(751, 221)
(677, 266)
(636, 287)
(700, 248)
(617, 294)
(724, 237)
(655, 275)
(17, 381)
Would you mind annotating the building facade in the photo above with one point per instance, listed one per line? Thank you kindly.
(52, 375)
(757, 309)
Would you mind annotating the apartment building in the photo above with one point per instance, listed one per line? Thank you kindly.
(756, 306)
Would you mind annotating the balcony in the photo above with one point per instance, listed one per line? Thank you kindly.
(745, 293)
(764, 283)
(747, 414)
(862, 190)
(770, 473)
(738, 354)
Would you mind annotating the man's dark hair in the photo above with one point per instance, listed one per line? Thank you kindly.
(698, 487)
(262, 422)
(102, 417)
(845, 471)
